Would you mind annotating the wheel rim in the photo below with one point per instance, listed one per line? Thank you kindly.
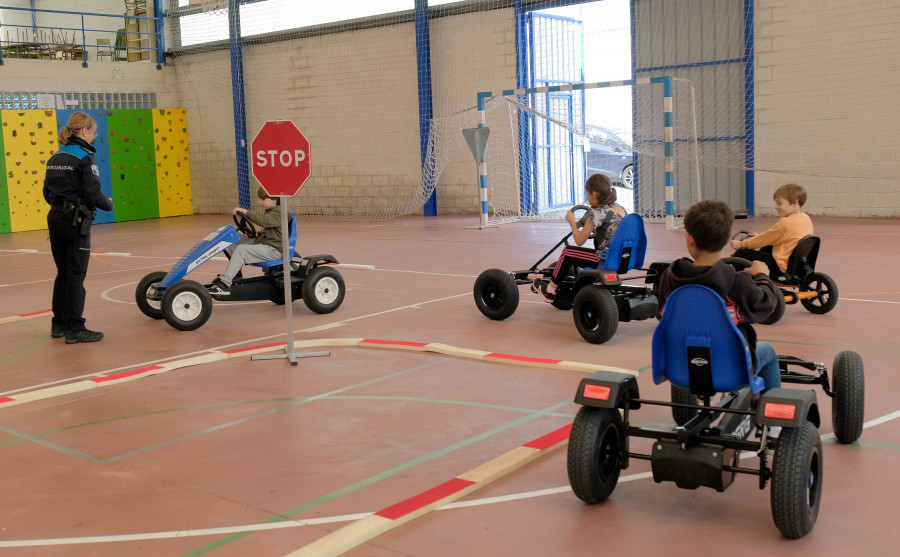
(155, 304)
(187, 306)
(327, 290)
(492, 296)
(822, 291)
(628, 177)
(590, 316)
(609, 452)
(812, 484)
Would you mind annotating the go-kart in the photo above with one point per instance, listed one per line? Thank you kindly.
(816, 291)
(599, 298)
(186, 304)
(699, 350)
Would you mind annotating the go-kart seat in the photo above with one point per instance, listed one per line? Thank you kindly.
(802, 261)
(292, 243)
(698, 347)
(627, 247)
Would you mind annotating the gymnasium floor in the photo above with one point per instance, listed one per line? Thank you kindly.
(156, 442)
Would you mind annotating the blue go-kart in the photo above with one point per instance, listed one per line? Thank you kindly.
(699, 350)
(186, 304)
(599, 298)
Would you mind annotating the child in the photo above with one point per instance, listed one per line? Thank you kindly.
(748, 294)
(605, 217)
(265, 247)
(779, 241)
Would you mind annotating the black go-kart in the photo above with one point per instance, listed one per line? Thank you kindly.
(698, 349)
(186, 304)
(599, 298)
(816, 291)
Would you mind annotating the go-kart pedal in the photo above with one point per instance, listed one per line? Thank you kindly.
(539, 287)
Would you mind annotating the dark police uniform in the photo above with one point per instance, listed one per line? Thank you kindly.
(72, 180)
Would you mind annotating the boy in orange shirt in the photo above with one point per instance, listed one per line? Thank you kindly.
(778, 242)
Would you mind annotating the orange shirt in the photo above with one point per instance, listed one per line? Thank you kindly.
(783, 237)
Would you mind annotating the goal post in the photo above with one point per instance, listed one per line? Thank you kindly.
(543, 142)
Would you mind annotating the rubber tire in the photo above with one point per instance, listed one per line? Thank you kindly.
(797, 480)
(496, 294)
(595, 453)
(317, 290)
(778, 312)
(596, 314)
(682, 396)
(815, 305)
(148, 308)
(186, 305)
(848, 404)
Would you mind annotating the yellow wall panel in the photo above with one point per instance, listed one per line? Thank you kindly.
(29, 139)
(173, 165)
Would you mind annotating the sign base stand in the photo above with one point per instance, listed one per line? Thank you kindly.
(290, 356)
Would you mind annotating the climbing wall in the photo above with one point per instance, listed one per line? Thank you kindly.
(132, 164)
(4, 189)
(173, 165)
(29, 139)
(101, 144)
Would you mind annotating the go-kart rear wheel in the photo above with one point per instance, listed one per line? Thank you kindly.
(496, 294)
(827, 293)
(186, 305)
(145, 290)
(797, 480)
(778, 312)
(596, 314)
(323, 290)
(595, 453)
(847, 406)
(680, 395)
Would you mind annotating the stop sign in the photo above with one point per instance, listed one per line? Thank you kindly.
(280, 154)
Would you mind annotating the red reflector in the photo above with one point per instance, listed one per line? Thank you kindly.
(610, 277)
(597, 392)
(780, 411)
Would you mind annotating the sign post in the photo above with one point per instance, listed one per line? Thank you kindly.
(280, 162)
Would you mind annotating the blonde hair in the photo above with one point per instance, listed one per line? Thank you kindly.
(77, 122)
(791, 193)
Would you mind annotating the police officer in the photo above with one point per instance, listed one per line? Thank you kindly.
(72, 188)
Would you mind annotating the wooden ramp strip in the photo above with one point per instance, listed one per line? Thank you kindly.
(368, 528)
(14, 318)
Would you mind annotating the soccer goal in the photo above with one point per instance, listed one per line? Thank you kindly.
(541, 149)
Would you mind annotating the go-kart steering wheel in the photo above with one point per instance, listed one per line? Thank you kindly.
(244, 225)
(738, 263)
(744, 234)
(584, 218)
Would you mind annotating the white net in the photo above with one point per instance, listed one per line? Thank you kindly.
(365, 80)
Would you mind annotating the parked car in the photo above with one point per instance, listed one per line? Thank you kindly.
(607, 153)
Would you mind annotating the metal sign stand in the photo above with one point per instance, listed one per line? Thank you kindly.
(288, 297)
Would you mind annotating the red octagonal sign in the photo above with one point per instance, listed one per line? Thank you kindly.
(280, 154)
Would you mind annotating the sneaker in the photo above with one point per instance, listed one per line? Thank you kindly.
(540, 287)
(84, 335)
(58, 331)
(218, 288)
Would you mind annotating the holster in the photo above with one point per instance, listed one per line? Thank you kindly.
(83, 217)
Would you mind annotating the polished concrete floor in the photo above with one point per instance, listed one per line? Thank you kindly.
(158, 442)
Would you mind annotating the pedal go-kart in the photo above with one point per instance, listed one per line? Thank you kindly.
(698, 349)
(598, 298)
(186, 304)
(817, 292)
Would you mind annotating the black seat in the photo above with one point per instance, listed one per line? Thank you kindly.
(802, 261)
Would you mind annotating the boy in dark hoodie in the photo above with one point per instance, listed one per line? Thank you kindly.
(749, 294)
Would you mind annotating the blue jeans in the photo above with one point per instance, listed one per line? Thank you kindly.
(767, 365)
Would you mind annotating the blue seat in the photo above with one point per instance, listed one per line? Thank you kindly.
(627, 247)
(292, 243)
(698, 347)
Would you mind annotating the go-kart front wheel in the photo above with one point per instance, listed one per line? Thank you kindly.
(595, 453)
(496, 294)
(826, 290)
(596, 314)
(186, 305)
(847, 406)
(680, 395)
(323, 290)
(145, 291)
(797, 480)
(778, 312)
